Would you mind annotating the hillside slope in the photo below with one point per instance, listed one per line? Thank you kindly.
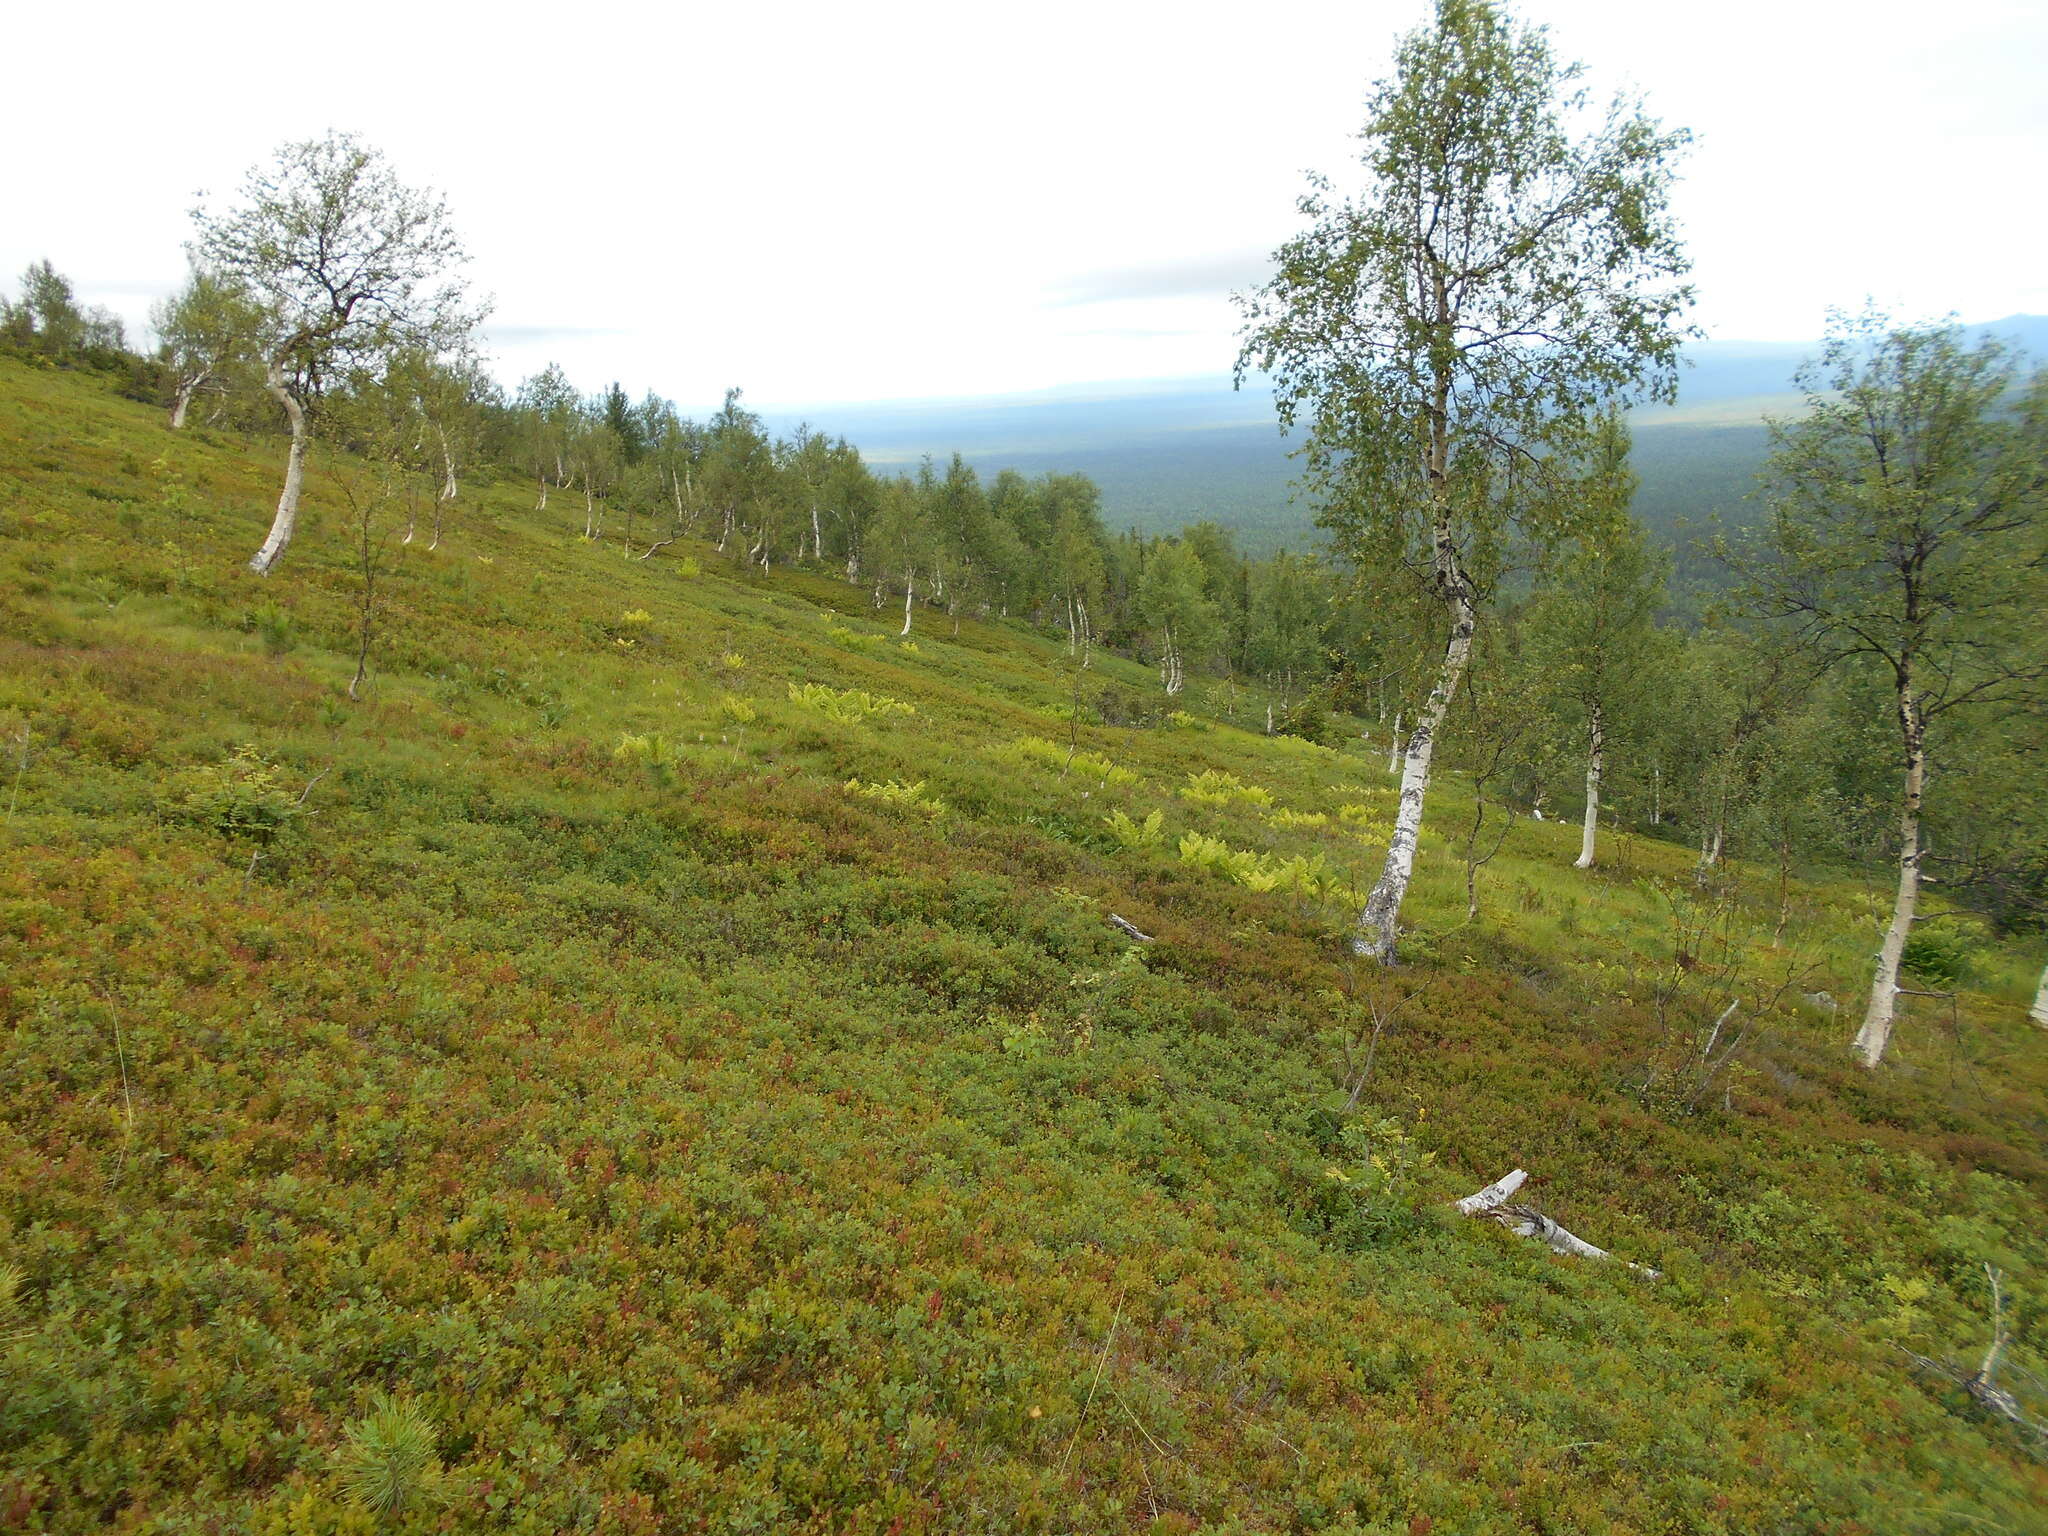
(544, 1096)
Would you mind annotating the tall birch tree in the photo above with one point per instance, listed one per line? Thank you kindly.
(1907, 510)
(1447, 338)
(348, 265)
(1591, 627)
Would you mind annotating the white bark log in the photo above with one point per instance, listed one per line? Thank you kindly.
(1494, 1194)
(1593, 763)
(1878, 1015)
(287, 518)
(1526, 1221)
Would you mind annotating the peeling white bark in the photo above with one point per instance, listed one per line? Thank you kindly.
(187, 388)
(1494, 1194)
(1526, 1221)
(1878, 1015)
(1379, 923)
(909, 591)
(1593, 764)
(287, 518)
(2039, 1012)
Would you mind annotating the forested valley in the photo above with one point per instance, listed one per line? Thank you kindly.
(569, 965)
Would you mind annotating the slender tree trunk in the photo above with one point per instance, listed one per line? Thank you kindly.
(909, 591)
(2039, 1012)
(1876, 1032)
(287, 518)
(589, 514)
(1657, 796)
(542, 504)
(1394, 751)
(817, 536)
(1379, 923)
(1593, 762)
(187, 388)
(1784, 892)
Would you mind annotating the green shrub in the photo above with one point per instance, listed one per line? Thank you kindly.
(850, 706)
(1941, 950)
(906, 797)
(1298, 819)
(244, 797)
(1148, 833)
(1092, 765)
(1213, 787)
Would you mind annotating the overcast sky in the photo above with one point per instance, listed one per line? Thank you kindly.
(864, 201)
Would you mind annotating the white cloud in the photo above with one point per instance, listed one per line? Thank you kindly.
(847, 202)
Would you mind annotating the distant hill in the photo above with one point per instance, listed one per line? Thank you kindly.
(1174, 451)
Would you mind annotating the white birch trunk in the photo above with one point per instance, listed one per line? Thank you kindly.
(1394, 749)
(1876, 1032)
(1593, 763)
(287, 518)
(1379, 923)
(817, 536)
(2039, 1012)
(187, 388)
(449, 489)
(909, 592)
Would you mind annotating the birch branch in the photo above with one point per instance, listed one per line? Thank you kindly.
(1527, 1221)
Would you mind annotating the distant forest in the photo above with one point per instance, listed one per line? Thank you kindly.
(1171, 453)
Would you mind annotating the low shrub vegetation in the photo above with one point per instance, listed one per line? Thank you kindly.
(595, 1113)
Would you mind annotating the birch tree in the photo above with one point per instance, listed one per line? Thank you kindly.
(207, 333)
(1173, 601)
(548, 408)
(900, 542)
(1448, 337)
(348, 264)
(1905, 529)
(1591, 627)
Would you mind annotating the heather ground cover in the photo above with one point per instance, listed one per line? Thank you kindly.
(570, 1088)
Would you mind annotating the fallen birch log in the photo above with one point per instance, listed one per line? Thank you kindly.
(1527, 1221)
(1125, 925)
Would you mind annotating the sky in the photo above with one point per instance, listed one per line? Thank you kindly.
(848, 202)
